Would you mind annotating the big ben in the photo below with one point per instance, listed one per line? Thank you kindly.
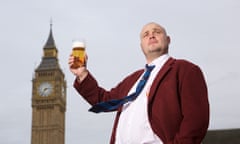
(48, 98)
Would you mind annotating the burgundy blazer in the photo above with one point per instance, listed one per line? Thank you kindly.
(178, 107)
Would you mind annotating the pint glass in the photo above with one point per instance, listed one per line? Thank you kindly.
(78, 52)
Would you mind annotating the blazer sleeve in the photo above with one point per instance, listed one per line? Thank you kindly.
(93, 93)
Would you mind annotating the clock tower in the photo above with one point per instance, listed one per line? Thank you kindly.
(48, 98)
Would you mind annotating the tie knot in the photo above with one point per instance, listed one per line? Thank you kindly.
(149, 67)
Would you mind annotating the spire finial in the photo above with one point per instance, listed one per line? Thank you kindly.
(51, 23)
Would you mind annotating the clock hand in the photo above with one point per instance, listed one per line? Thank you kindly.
(45, 89)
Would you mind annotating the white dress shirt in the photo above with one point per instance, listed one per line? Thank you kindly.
(133, 126)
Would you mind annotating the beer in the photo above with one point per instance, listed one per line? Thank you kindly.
(78, 53)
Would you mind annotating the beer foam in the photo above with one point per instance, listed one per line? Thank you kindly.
(78, 44)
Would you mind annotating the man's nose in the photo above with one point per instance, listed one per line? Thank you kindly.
(152, 36)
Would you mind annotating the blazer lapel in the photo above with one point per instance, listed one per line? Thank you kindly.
(162, 72)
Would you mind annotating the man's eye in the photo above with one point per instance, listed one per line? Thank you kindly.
(158, 32)
(145, 35)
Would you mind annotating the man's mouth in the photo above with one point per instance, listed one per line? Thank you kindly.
(152, 42)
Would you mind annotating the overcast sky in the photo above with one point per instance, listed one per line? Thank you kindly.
(205, 32)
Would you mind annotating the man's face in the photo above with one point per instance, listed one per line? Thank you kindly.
(154, 40)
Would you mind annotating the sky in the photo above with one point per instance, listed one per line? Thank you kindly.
(204, 32)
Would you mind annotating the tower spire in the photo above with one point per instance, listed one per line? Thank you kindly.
(50, 41)
(50, 53)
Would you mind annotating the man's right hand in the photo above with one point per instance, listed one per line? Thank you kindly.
(80, 72)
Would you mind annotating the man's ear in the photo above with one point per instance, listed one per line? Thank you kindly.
(168, 39)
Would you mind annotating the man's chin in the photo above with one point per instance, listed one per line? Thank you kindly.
(153, 50)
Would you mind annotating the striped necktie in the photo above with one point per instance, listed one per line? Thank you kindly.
(116, 103)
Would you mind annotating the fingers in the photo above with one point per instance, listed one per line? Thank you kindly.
(70, 61)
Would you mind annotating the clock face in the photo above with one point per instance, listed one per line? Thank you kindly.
(45, 89)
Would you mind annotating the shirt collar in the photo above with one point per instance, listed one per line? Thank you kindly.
(158, 62)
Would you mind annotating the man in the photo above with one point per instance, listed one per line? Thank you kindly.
(171, 108)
